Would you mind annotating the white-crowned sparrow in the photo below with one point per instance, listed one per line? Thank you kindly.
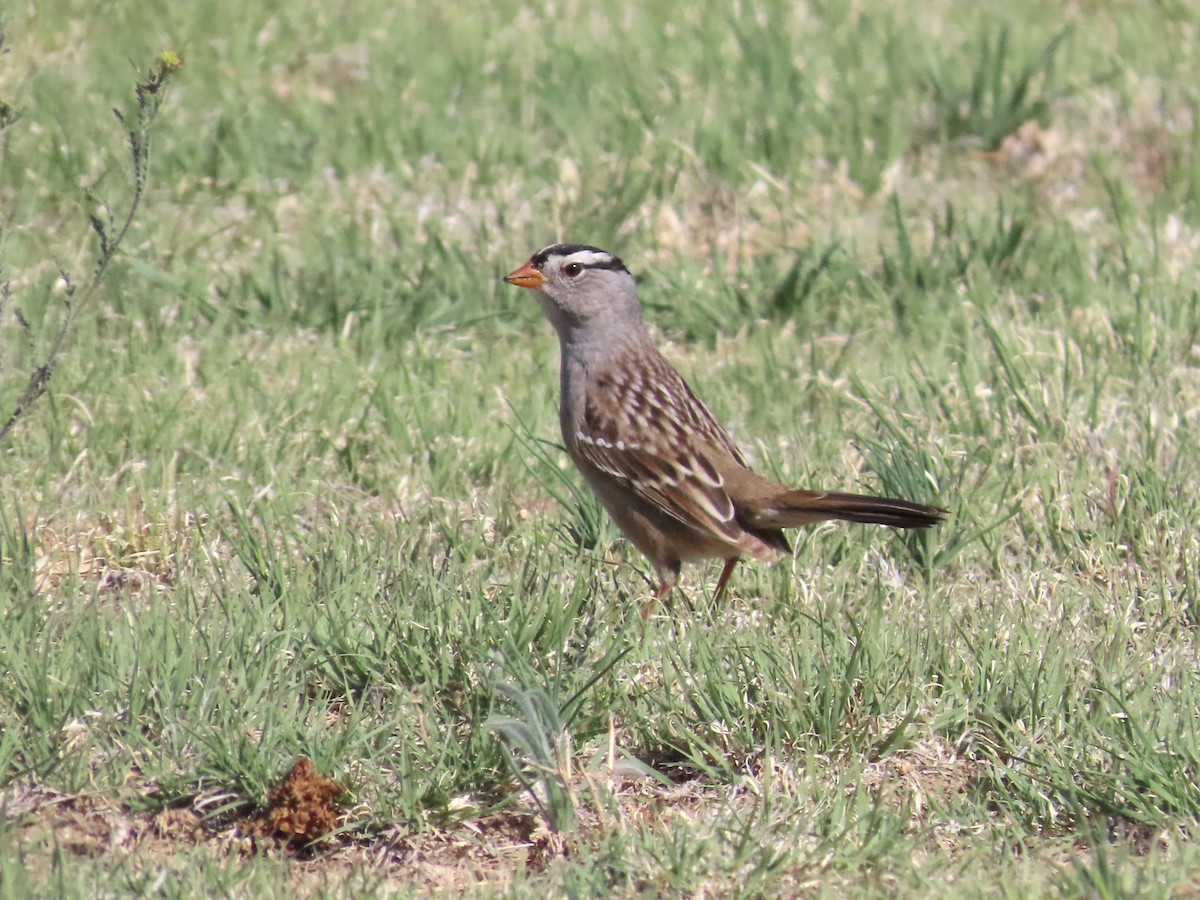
(667, 473)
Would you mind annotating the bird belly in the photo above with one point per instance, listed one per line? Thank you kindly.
(663, 539)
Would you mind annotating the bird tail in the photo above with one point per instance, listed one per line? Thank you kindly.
(798, 507)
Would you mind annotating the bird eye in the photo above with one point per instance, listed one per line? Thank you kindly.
(572, 270)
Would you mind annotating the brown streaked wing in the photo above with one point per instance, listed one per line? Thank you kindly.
(643, 378)
(704, 423)
(641, 425)
(690, 492)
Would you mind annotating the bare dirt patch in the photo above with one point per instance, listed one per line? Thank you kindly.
(301, 822)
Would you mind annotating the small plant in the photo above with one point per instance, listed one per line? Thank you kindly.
(1002, 94)
(956, 247)
(541, 459)
(794, 290)
(907, 468)
(109, 228)
(539, 751)
(959, 251)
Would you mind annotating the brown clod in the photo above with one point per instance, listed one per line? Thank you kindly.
(302, 808)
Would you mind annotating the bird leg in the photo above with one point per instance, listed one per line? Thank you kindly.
(664, 588)
(661, 591)
(724, 579)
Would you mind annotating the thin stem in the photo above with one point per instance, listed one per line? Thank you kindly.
(149, 98)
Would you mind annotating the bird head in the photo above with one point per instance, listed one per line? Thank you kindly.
(580, 287)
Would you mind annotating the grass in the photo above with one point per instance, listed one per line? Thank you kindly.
(295, 488)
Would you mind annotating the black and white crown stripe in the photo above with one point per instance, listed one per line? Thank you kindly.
(588, 257)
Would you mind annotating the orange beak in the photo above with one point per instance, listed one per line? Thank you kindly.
(526, 276)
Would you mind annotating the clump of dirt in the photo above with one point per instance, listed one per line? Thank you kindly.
(301, 809)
